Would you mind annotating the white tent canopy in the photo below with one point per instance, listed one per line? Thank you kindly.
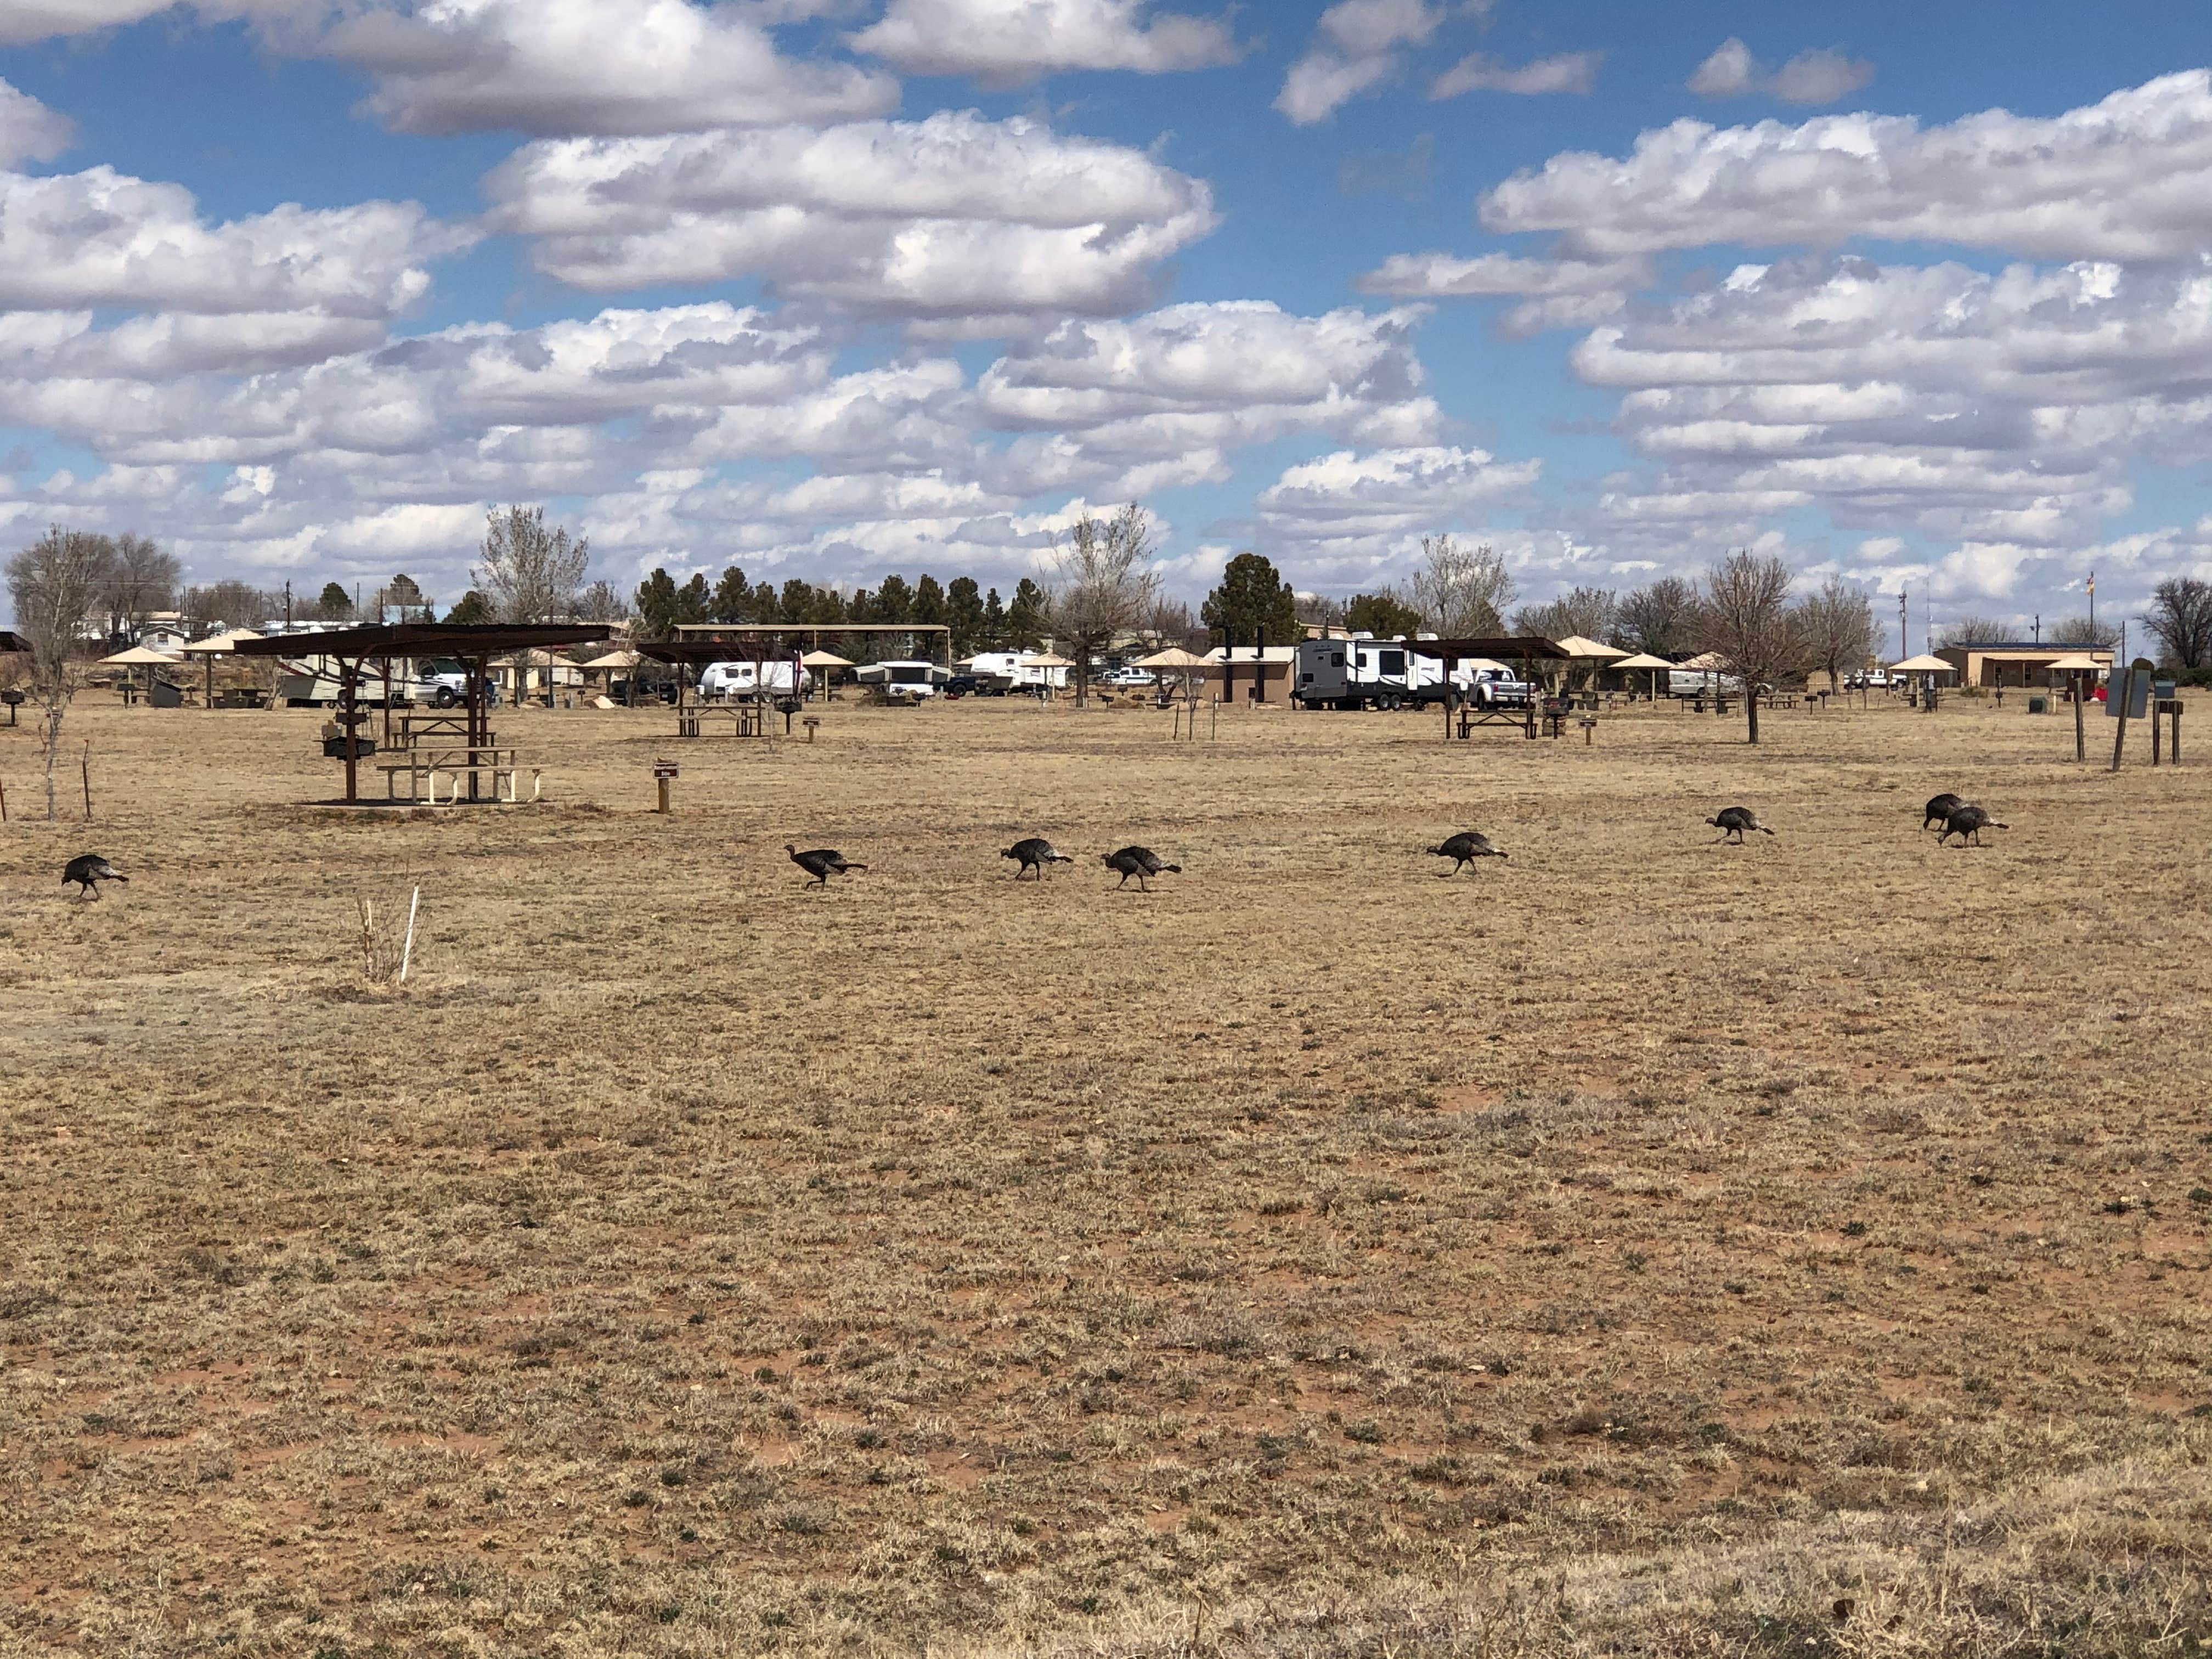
(1923, 664)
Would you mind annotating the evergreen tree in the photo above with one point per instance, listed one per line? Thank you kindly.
(1384, 615)
(732, 596)
(335, 604)
(694, 600)
(964, 613)
(994, 631)
(1252, 596)
(472, 608)
(1029, 617)
(764, 606)
(894, 600)
(655, 600)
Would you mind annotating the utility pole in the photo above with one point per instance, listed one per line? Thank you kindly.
(1904, 642)
(2092, 599)
(2038, 628)
(288, 605)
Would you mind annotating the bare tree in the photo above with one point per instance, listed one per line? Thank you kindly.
(1838, 627)
(529, 574)
(1171, 621)
(230, 604)
(2080, 630)
(2180, 616)
(1971, 629)
(1662, 618)
(57, 585)
(1749, 626)
(1461, 593)
(1319, 611)
(1588, 611)
(141, 578)
(1103, 586)
(601, 603)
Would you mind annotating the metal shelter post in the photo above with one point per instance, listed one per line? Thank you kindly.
(348, 699)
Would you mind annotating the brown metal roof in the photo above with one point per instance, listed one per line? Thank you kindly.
(697, 653)
(13, 641)
(424, 639)
(814, 628)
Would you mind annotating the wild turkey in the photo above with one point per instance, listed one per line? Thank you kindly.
(821, 863)
(88, 870)
(1940, 807)
(1140, 862)
(1035, 854)
(1466, 849)
(1735, 820)
(1967, 821)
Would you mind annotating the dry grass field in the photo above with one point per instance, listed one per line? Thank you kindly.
(1637, 1244)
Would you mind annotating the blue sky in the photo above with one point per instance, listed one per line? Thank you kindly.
(302, 287)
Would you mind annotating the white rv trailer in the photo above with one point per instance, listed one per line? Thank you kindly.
(774, 675)
(1365, 672)
(1017, 670)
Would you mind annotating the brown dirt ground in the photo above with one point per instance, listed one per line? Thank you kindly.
(685, 1262)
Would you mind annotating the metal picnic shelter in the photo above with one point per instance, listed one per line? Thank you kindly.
(459, 743)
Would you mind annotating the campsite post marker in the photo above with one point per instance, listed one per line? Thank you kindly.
(663, 771)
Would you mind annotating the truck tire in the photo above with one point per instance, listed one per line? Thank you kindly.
(446, 698)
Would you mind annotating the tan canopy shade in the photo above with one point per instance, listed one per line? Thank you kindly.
(1708, 663)
(138, 656)
(220, 644)
(614, 660)
(1046, 660)
(1576, 645)
(824, 659)
(1641, 660)
(2076, 664)
(1174, 657)
(1923, 664)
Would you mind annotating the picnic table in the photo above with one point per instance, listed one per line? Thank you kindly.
(422, 764)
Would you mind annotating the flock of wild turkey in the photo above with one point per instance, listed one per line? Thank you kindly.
(1034, 855)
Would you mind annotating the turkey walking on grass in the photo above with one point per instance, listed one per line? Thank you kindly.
(1466, 847)
(1734, 821)
(1140, 862)
(1034, 855)
(1968, 823)
(1938, 809)
(88, 870)
(821, 863)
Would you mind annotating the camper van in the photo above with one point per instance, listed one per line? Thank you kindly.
(774, 675)
(1016, 670)
(907, 678)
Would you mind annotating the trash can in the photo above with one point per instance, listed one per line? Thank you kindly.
(2039, 705)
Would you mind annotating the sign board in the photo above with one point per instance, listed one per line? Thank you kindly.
(664, 769)
(2136, 684)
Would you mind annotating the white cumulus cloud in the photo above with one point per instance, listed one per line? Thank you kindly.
(955, 219)
(1006, 42)
(29, 131)
(1819, 76)
(1570, 71)
(1356, 49)
(589, 66)
(103, 237)
(2122, 178)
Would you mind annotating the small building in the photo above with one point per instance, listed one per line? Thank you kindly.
(1253, 673)
(2016, 662)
